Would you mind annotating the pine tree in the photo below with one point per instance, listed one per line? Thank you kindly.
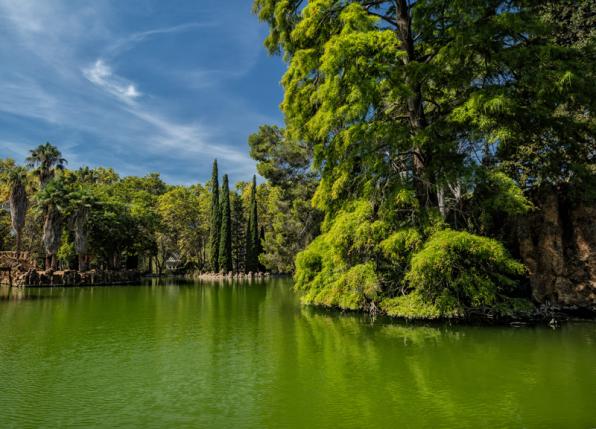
(252, 232)
(215, 219)
(225, 236)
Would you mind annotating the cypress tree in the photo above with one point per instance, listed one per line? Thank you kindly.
(252, 232)
(215, 219)
(260, 247)
(238, 235)
(225, 236)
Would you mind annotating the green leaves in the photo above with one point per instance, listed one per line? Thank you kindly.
(215, 225)
(456, 269)
(253, 239)
(225, 244)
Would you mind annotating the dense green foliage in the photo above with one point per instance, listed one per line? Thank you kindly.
(238, 233)
(15, 178)
(253, 241)
(432, 125)
(456, 270)
(225, 236)
(285, 163)
(215, 219)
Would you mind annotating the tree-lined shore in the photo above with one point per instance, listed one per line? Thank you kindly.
(93, 218)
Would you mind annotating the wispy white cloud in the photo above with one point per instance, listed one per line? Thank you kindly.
(101, 74)
(126, 43)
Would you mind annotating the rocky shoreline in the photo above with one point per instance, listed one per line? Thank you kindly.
(38, 278)
(229, 276)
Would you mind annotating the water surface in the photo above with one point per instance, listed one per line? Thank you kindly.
(243, 355)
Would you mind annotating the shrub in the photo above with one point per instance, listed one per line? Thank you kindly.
(335, 270)
(399, 246)
(456, 270)
(411, 306)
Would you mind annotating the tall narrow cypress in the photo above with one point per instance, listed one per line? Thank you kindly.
(238, 234)
(225, 236)
(215, 220)
(252, 231)
(260, 246)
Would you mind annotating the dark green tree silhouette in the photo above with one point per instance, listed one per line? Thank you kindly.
(238, 233)
(252, 231)
(215, 219)
(45, 159)
(225, 236)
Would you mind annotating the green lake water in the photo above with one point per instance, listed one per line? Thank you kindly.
(248, 355)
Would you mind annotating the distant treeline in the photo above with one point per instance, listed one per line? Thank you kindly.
(93, 218)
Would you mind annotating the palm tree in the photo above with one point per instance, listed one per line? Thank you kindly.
(81, 201)
(46, 159)
(53, 200)
(16, 178)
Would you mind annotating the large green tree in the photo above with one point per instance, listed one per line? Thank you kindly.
(238, 232)
(286, 164)
(81, 201)
(225, 236)
(184, 223)
(418, 114)
(15, 177)
(215, 219)
(46, 159)
(53, 201)
(252, 232)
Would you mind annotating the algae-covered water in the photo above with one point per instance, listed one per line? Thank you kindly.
(248, 355)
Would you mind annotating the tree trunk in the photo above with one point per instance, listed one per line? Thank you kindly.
(18, 211)
(52, 234)
(416, 114)
(441, 201)
(82, 262)
(18, 243)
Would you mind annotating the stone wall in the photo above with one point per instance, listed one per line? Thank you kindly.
(558, 245)
(36, 278)
(22, 272)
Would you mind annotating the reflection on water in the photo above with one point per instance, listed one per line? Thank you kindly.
(20, 294)
(238, 354)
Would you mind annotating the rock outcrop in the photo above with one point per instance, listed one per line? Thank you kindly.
(558, 245)
(230, 275)
(21, 271)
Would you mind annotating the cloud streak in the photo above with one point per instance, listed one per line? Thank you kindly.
(101, 75)
(124, 44)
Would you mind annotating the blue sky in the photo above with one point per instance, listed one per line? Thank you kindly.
(137, 85)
